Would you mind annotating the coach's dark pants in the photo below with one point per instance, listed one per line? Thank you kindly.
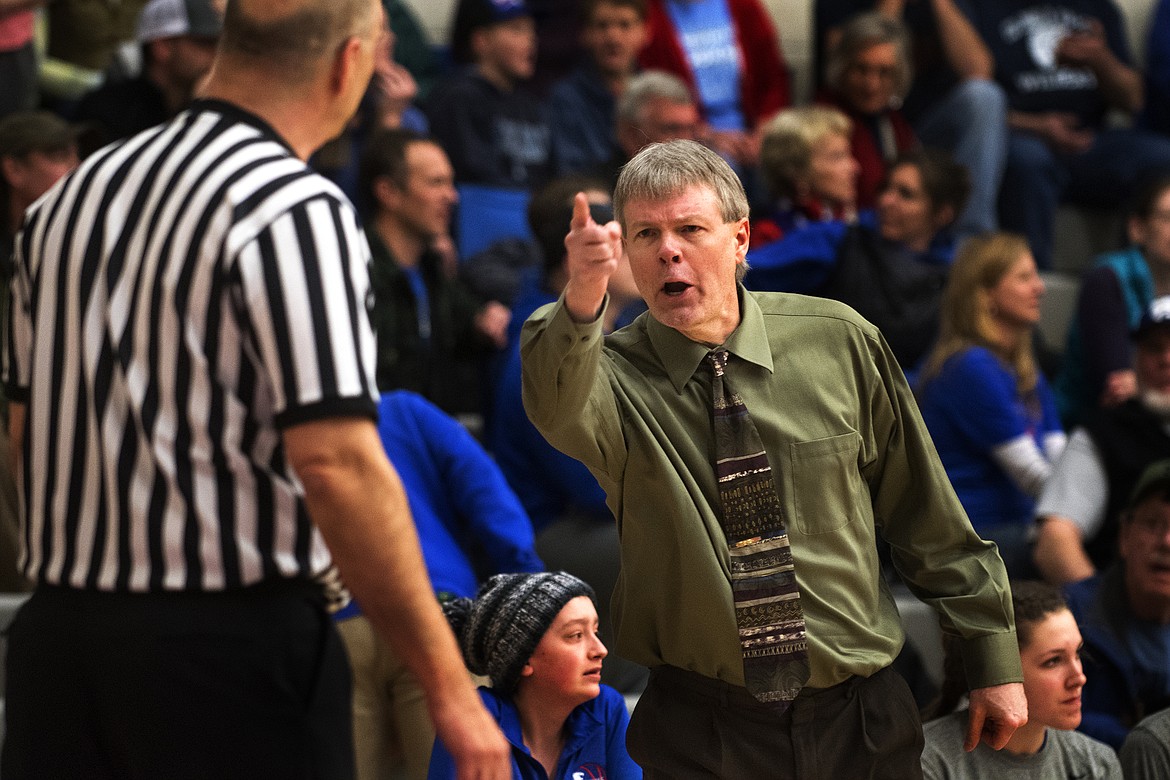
(688, 726)
(250, 684)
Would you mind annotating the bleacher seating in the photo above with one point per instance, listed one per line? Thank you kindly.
(488, 214)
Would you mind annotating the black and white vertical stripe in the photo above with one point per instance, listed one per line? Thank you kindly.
(179, 300)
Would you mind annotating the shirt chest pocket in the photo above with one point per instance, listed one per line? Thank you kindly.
(825, 483)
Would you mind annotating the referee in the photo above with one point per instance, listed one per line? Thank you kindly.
(191, 370)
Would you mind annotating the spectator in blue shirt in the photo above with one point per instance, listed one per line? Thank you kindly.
(983, 399)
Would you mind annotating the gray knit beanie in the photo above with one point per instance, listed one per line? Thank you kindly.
(500, 629)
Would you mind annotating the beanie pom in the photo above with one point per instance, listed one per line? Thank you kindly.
(458, 612)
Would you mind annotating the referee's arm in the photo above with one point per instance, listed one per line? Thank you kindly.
(356, 499)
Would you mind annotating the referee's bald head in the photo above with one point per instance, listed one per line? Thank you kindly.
(294, 39)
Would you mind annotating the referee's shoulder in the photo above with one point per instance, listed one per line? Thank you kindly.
(278, 171)
(276, 183)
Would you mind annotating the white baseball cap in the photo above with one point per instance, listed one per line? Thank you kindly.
(174, 18)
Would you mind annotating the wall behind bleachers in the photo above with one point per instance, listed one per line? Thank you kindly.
(1137, 20)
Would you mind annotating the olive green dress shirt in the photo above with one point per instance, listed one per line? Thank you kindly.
(851, 458)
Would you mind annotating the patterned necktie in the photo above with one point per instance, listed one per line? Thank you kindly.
(763, 582)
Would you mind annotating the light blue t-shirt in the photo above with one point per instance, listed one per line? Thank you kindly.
(707, 36)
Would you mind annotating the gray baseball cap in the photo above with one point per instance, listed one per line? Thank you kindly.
(173, 18)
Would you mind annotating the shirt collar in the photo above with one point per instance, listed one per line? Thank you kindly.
(240, 114)
(681, 357)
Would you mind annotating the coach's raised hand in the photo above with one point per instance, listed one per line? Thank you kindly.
(592, 255)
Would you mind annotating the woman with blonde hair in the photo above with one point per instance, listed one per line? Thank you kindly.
(809, 169)
(983, 398)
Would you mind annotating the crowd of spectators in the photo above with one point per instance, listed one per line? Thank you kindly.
(935, 124)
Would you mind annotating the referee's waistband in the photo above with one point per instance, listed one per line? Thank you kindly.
(729, 695)
(276, 588)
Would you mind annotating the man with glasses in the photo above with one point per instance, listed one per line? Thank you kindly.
(1124, 615)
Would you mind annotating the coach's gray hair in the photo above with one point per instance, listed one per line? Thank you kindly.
(661, 171)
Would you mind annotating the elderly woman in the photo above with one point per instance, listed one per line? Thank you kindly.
(867, 74)
(810, 171)
(983, 399)
(1098, 363)
(891, 266)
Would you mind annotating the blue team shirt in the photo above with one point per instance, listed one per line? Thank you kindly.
(462, 506)
(594, 750)
(970, 408)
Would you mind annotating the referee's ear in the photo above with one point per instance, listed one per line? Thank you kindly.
(347, 66)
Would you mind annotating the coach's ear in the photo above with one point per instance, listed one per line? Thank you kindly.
(743, 234)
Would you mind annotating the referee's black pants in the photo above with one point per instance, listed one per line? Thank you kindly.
(248, 684)
(690, 727)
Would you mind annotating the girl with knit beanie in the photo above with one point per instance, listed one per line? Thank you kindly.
(535, 637)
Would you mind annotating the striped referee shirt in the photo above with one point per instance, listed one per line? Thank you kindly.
(177, 301)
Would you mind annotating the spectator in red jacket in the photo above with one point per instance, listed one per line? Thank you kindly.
(728, 54)
(867, 74)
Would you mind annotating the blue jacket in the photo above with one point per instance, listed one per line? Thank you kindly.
(549, 483)
(462, 506)
(1119, 689)
(801, 261)
(594, 750)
